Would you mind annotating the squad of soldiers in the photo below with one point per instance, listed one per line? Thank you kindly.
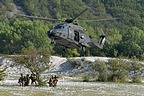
(26, 80)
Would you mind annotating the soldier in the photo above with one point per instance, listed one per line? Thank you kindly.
(21, 80)
(27, 80)
(24, 80)
(55, 81)
(33, 79)
(50, 82)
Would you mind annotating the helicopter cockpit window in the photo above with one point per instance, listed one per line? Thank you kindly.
(58, 27)
(61, 27)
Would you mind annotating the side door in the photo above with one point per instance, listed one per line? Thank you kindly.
(70, 33)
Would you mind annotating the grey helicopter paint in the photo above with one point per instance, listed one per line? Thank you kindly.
(72, 35)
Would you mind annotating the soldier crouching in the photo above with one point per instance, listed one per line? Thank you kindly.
(24, 80)
(21, 80)
(33, 79)
(53, 81)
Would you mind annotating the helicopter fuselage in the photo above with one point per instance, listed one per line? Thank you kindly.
(69, 35)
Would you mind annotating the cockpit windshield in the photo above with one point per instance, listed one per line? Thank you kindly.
(58, 27)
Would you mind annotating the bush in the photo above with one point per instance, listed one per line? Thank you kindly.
(136, 79)
(75, 63)
(2, 73)
(100, 67)
(86, 78)
(118, 70)
(113, 70)
(122, 76)
(41, 82)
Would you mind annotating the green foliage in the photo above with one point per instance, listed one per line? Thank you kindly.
(136, 69)
(37, 60)
(124, 36)
(114, 66)
(75, 63)
(41, 82)
(100, 67)
(18, 34)
(2, 73)
(136, 79)
(61, 51)
(132, 44)
(86, 77)
(117, 70)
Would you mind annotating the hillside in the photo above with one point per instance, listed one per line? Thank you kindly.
(58, 65)
(123, 36)
(69, 83)
(83, 66)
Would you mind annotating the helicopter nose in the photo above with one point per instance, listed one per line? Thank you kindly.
(50, 33)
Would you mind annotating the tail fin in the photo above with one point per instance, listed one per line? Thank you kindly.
(100, 42)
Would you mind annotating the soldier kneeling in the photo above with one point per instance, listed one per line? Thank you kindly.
(21, 80)
(53, 81)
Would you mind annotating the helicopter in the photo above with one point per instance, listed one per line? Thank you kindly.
(71, 35)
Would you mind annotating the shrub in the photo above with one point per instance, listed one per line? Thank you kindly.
(136, 79)
(100, 67)
(86, 78)
(41, 82)
(2, 74)
(122, 76)
(75, 63)
(118, 70)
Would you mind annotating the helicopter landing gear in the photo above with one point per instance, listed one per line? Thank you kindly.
(83, 50)
(53, 41)
(64, 49)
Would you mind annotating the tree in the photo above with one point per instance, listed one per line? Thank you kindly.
(16, 34)
(125, 34)
(37, 60)
(132, 43)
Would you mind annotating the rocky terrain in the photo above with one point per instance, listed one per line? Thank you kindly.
(67, 86)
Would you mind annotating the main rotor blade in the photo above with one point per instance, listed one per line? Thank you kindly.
(41, 18)
(80, 13)
(99, 20)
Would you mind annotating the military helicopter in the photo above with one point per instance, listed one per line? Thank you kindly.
(72, 35)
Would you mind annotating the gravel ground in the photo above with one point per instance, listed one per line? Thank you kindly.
(66, 86)
(71, 88)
